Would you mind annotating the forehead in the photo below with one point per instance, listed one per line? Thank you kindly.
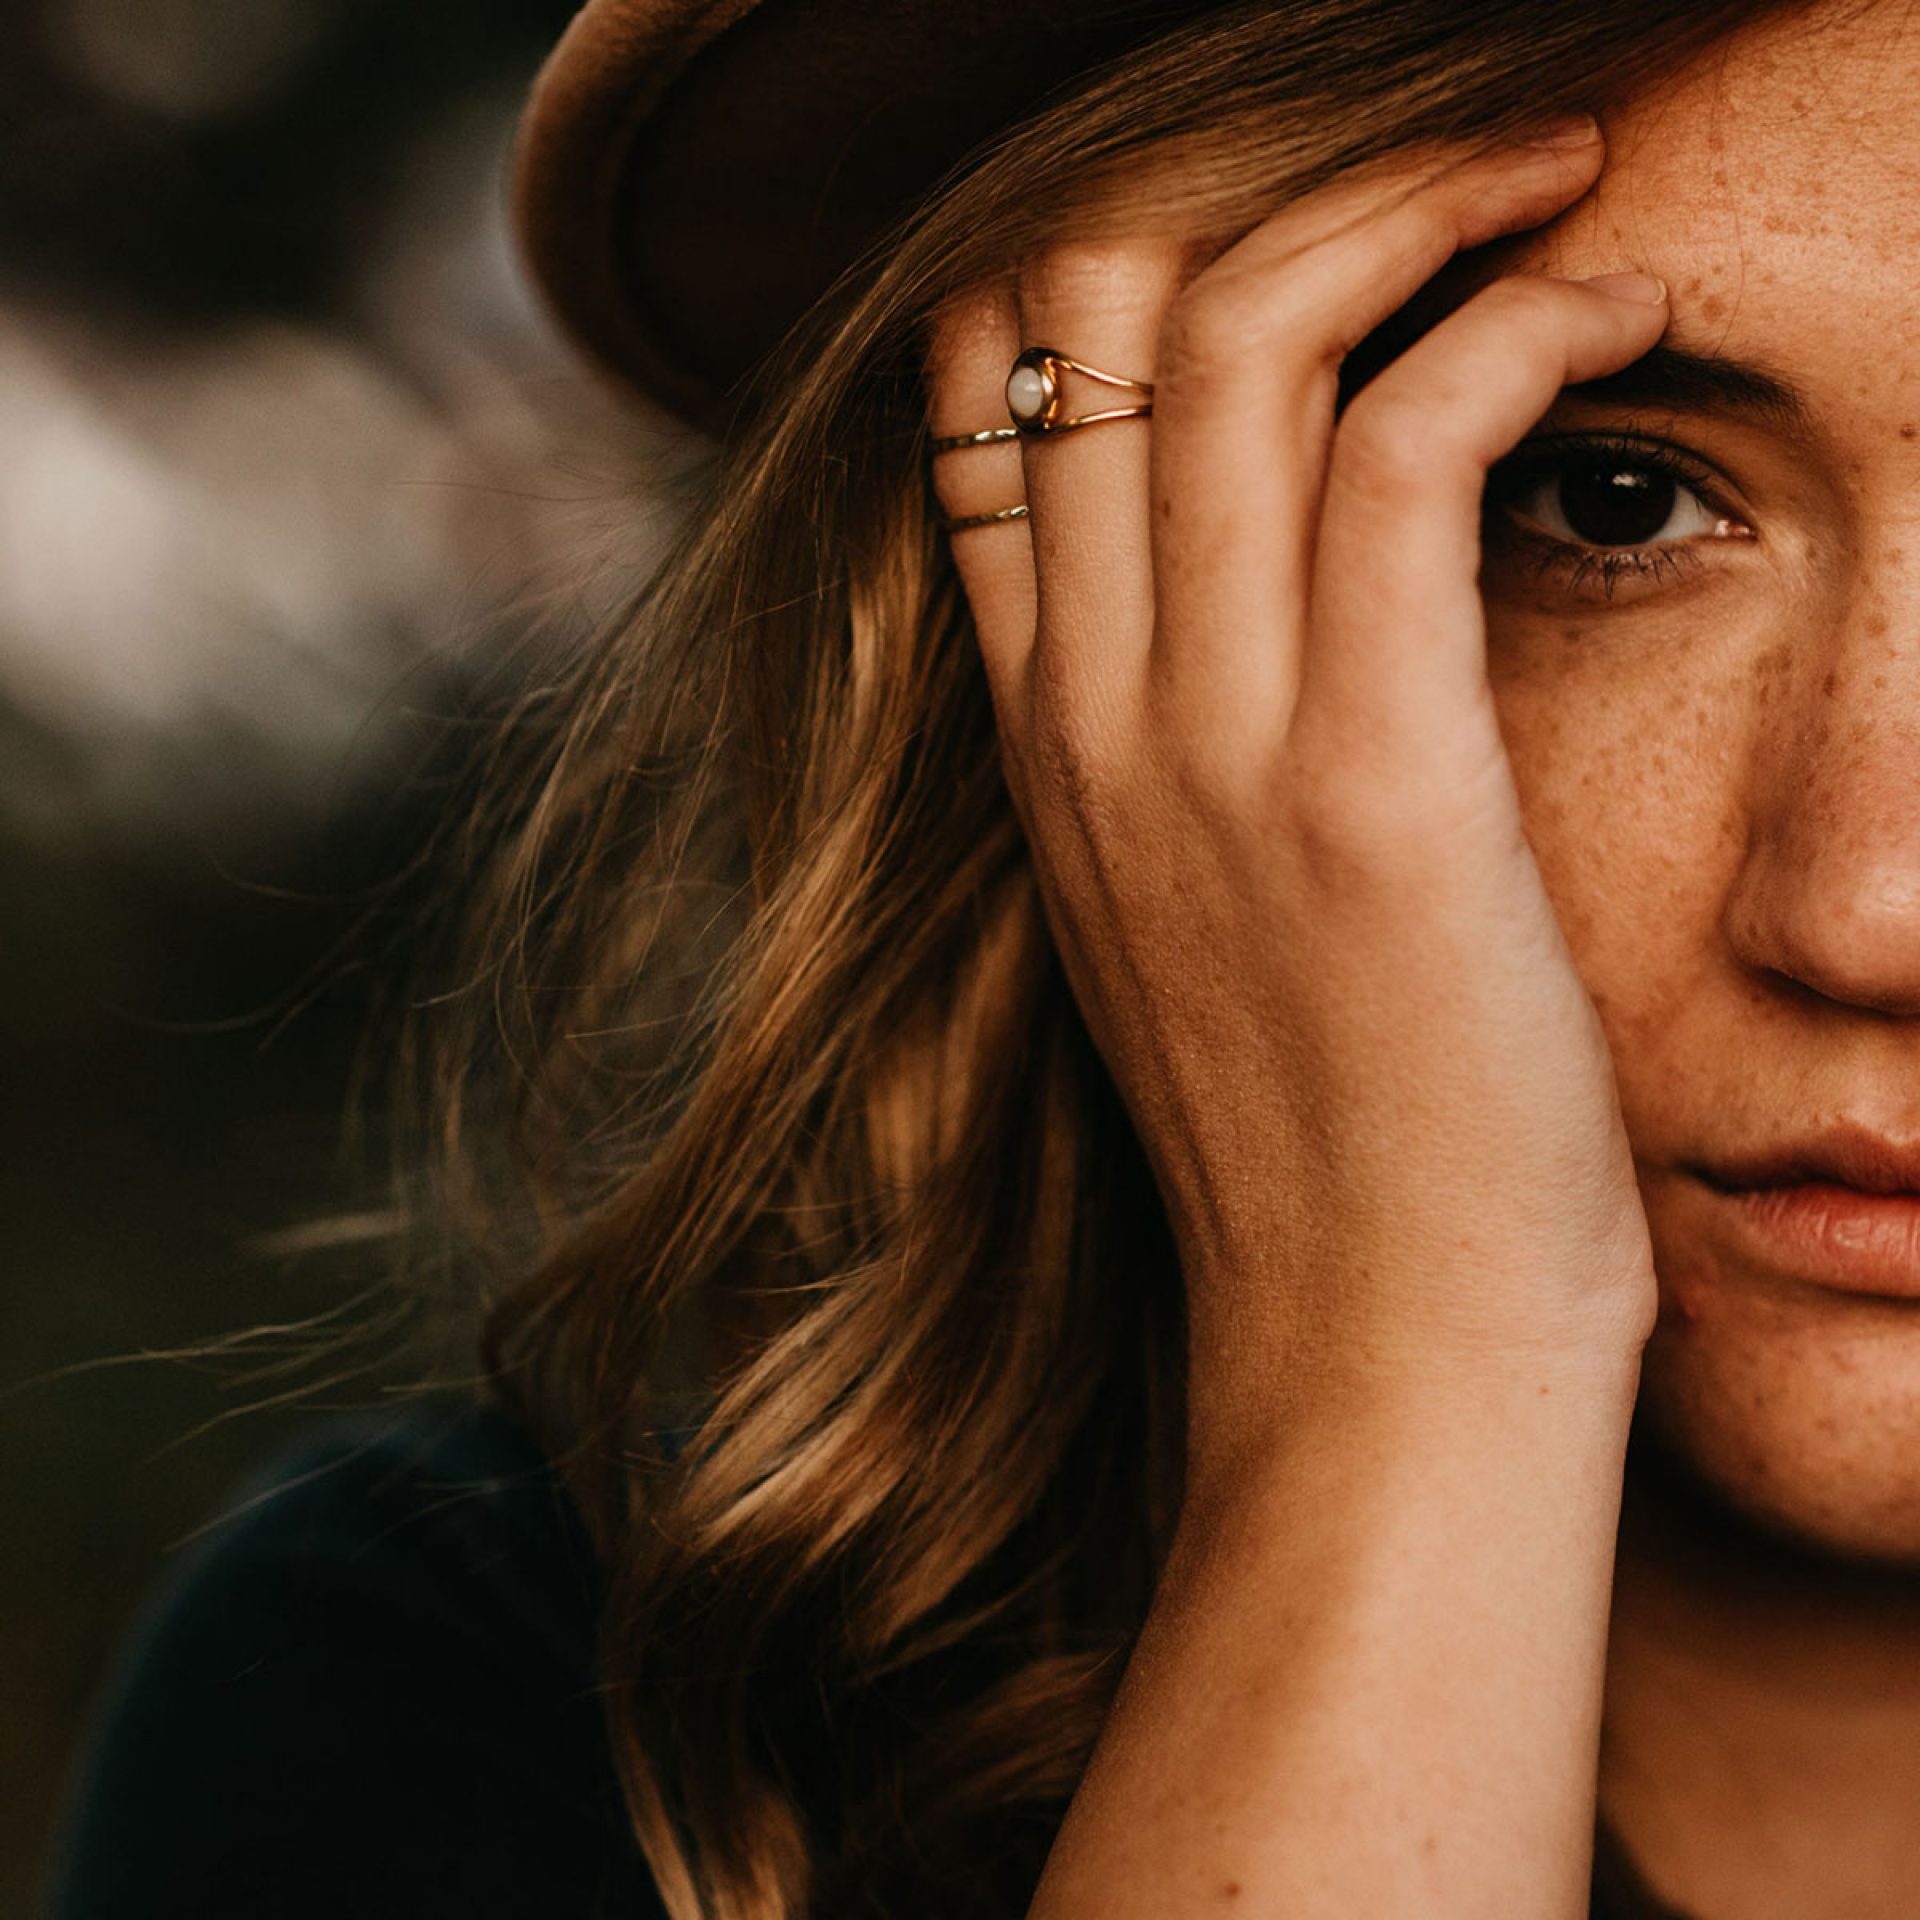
(1774, 182)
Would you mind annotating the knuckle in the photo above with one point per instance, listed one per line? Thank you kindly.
(1513, 297)
(1391, 440)
(1082, 273)
(1414, 425)
(1353, 825)
(1523, 310)
(1180, 758)
(1351, 838)
(1104, 289)
(1211, 326)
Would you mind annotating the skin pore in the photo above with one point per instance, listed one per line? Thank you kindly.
(1719, 763)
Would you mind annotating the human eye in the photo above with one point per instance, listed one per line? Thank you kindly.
(1595, 512)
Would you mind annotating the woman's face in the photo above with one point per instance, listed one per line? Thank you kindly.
(1720, 764)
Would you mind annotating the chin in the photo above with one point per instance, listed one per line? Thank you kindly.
(1786, 1417)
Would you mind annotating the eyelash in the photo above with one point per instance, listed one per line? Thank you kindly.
(1582, 566)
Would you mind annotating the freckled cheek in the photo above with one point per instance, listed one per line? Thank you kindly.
(1620, 795)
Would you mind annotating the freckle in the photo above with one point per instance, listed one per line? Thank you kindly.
(1719, 179)
(1829, 684)
(1712, 307)
(1908, 431)
(1876, 626)
(1691, 286)
(1231, 1891)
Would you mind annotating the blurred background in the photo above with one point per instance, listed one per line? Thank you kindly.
(290, 459)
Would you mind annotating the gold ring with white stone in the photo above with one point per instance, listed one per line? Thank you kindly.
(1037, 405)
(1035, 402)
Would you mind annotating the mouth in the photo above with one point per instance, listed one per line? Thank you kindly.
(1841, 1211)
(1848, 1155)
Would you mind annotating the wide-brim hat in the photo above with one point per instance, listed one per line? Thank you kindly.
(692, 175)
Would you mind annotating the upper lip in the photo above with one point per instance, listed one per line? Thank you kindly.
(1847, 1155)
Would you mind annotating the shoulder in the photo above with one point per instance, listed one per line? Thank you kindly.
(366, 1686)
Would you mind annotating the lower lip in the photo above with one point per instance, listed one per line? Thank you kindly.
(1834, 1236)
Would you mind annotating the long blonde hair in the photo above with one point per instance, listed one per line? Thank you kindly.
(823, 1262)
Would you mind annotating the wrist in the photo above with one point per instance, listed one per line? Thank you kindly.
(1394, 1417)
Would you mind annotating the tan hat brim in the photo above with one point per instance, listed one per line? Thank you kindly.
(691, 175)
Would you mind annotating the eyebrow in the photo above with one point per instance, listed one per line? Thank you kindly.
(1669, 377)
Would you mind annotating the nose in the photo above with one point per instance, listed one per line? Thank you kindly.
(1828, 892)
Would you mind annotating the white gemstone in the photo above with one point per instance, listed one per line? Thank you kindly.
(1026, 393)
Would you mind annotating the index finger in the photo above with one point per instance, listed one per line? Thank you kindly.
(1245, 402)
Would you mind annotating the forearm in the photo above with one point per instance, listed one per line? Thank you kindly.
(1371, 1679)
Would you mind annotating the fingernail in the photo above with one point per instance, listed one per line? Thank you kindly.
(1575, 130)
(1643, 289)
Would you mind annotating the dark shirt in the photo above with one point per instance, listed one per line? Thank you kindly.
(366, 1693)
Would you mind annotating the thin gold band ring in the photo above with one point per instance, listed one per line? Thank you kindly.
(954, 525)
(1037, 406)
(947, 442)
